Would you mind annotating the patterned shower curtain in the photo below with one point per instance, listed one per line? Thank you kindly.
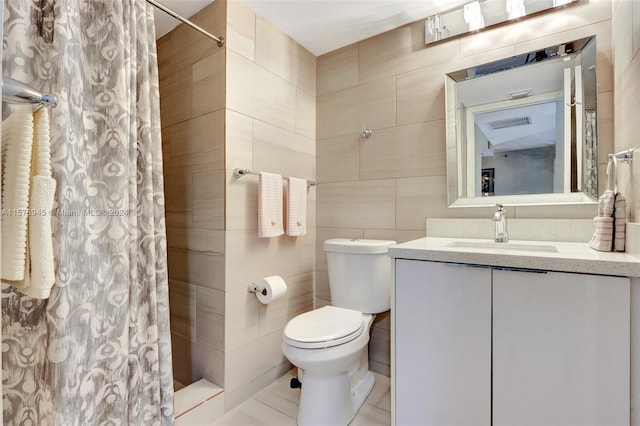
(98, 351)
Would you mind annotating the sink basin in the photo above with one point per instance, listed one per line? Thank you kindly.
(504, 246)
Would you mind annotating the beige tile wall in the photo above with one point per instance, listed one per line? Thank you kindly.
(252, 105)
(626, 47)
(192, 101)
(270, 122)
(385, 186)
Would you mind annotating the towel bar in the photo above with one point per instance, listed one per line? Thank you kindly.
(16, 92)
(238, 173)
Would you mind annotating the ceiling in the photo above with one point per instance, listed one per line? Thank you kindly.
(322, 26)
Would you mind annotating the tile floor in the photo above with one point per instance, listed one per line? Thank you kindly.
(277, 405)
(200, 403)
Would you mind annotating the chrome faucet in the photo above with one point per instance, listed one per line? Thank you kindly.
(500, 218)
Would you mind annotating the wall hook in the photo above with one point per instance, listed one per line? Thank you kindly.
(366, 133)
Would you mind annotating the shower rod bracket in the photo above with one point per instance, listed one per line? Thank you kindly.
(165, 9)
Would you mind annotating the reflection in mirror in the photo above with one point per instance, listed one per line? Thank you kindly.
(522, 130)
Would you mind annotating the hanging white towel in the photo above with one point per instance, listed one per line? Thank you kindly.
(620, 222)
(297, 207)
(38, 274)
(17, 140)
(270, 205)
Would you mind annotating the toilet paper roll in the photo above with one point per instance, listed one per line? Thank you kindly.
(274, 288)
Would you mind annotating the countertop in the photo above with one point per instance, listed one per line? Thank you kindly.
(570, 257)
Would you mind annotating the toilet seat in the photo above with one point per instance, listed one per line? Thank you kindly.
(323, 328)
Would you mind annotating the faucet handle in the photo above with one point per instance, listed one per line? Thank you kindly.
(500, 214)
(500, 219)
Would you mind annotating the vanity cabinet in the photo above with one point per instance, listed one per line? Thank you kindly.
(486, 346)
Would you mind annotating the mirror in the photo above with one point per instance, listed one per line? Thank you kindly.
(522, 130)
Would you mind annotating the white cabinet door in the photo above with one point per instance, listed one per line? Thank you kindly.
(442, 344)
(560, 349)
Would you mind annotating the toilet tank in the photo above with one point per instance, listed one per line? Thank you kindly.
(359, 274)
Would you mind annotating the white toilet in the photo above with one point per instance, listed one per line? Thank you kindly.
(330, 345)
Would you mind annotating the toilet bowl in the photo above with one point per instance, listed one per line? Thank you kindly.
(336, 377)
(329, 345)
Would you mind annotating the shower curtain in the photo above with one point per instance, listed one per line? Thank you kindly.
(98, 351)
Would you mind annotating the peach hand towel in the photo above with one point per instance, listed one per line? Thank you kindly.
(270, 205)
(606, 203)
(602, 239)
(297, 207)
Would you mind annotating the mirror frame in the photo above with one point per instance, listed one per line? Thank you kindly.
(456, 151)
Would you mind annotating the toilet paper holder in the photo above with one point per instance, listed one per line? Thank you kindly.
(253, 288)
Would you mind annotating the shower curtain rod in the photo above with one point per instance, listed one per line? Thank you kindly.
(16, 92)
(165, 9)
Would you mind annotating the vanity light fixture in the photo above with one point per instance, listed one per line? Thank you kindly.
(480, 14)
(435, 28)
(473, 16)
(515, 9)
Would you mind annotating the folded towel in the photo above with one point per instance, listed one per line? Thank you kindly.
(270, 205)
(26, 282)
(38, 271)
(17, 139)
(620, 222)
(40, 242)
(606, 203)
(297, 207)
(43, 189)
(602, 239)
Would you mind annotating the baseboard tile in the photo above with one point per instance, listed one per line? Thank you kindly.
(199, 403)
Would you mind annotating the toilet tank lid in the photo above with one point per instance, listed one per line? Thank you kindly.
(357, 246)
